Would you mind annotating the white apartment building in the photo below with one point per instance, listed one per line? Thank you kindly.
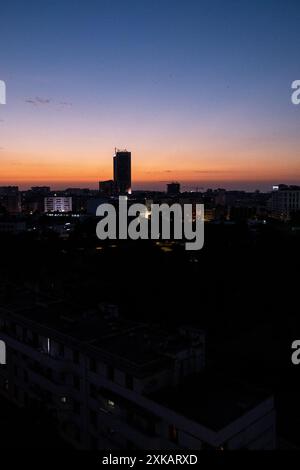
(58, 204)
(111, 383)
(284, 201)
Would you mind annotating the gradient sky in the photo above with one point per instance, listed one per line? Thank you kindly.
(198, 90)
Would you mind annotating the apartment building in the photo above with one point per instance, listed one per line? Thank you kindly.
(58, 204)
(111, 383)
(285, 200)
(10, 199)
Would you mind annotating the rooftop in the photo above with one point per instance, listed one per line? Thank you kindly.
(213, 401)
(135, 346)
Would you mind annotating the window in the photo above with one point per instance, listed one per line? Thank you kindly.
(48, 343)
(76, 407)
(24, 335)
(93, 365)
(93, 391)
(129, 382)
(110, 373)
(130, 445)
(173, 433)
(16, 392)
(76, 382)
(61, 350)
(78, 435)
(93, 418)
(35, 340)
(111, 404)
(76, 357)
(13, 328)
(94, 442)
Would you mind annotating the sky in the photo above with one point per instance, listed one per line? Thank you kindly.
(198, 90)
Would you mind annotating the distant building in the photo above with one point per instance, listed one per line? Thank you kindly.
(94, 203)
(40, 189)
(58, 204)
(5, 190)
(33, 200)
(12, 226)
(122, 172)
(10, 199)
(77, 191)
(285, 201)
(107, 188)
(173, 189)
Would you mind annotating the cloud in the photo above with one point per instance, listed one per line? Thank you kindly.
(207, 172)
(65, 103)
(43, 100)
(39, 101)
(151, 172)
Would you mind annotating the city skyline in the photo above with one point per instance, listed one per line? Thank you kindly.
(201, 95)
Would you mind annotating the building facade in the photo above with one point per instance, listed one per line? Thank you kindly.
(10, 199)
(110, 383)
(58, 204)
(173, 189)
(107, 188)
(285, 201)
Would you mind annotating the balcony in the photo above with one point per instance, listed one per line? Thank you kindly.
(29, 348)
(142, 438)
(50, 384)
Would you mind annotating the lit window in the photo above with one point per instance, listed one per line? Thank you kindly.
(173, 433)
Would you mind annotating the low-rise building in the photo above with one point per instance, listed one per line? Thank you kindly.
(58, 204)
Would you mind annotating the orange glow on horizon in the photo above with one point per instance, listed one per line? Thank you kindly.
(76, 168)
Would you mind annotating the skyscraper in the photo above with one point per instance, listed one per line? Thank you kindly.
(122, 171)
